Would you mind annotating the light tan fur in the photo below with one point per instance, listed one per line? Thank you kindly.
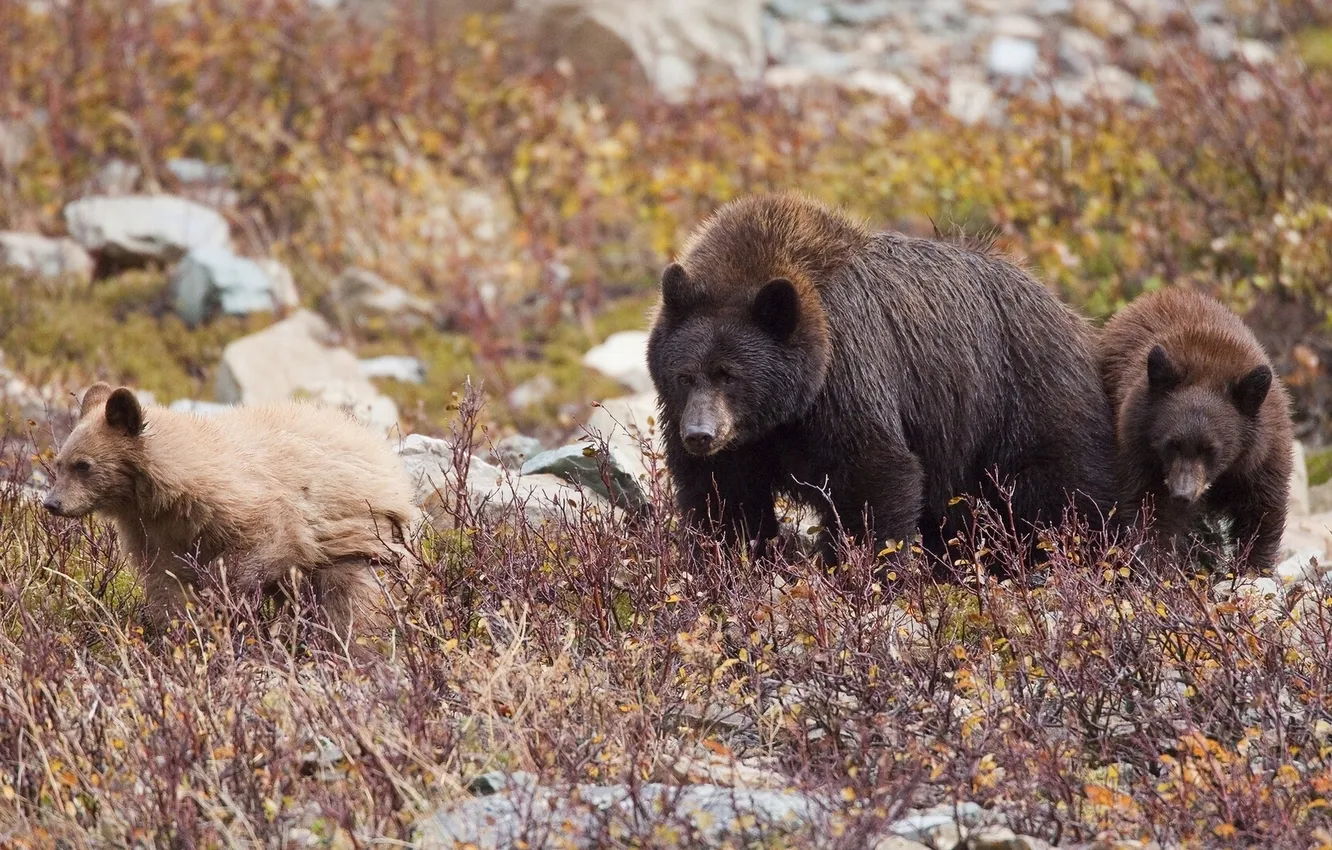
(266, 489)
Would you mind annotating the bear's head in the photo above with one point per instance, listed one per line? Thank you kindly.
(732, 362)
(1199, 429)
(95, 468)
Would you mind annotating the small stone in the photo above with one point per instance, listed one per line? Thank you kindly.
(191, 170)
(623, 356)
(939, 825)
(1080, 51)
(969, 100)
(1217, 41)
(994, 838)
(395, 367)
(531, 392)
(1248, 87)
(45, 257)
(1012, 57)
(212, 280)
(1112, 83)
(513, 451)
(1303, 566)
(884, 84)
(1256, 52)
(862, 13)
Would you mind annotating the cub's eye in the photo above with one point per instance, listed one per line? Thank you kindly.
(82, 467)
(686, 380)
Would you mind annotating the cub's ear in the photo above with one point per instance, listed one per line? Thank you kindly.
(123, 412)
(93, 398)
(1162, 375)
(678, 292)
(777, 308)
(1250, 391)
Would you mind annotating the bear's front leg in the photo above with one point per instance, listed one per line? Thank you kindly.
(729, 496)
(881, 498)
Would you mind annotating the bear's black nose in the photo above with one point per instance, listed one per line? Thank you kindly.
(698, 440)
(52, 504)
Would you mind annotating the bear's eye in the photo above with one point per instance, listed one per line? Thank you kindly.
(686, 380)
(82, 467)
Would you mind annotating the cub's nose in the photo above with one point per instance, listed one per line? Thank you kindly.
(698, 440)
(52, 504)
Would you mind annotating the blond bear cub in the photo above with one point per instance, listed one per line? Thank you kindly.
(265, 489)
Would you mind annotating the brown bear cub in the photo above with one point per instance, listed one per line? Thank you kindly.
(872, 376)
(1203, 423)
(266, 489)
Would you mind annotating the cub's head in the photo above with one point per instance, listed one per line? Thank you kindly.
(1198, 430)
(732, 362)
(94, 470)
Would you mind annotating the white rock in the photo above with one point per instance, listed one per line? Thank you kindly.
(628, 425)
(531, 392)
(1012, 57)
(1248, 87)
(1217, 41)
(969, 101)
(1305, 565)
(1080, 51)
(1298, 501)
(491, 492)
(41, 255)
(1320, 498)
(1256, 52)
(623, 356)
(140, 228)
(293, 359)
(882, 83)
(397, 367)
(1112, 83)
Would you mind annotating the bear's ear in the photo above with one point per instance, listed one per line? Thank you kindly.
(123, 412)
(678, 292)
(1161, 373)
(1250, 391)
(93, 398)
(777, 308)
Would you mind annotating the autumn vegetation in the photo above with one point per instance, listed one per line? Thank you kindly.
(1089, 701)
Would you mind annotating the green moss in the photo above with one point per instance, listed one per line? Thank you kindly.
(1319, 464)
(115, 330)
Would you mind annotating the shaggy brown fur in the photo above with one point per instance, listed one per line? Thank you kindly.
(267, 489)
(795, 352)
(1203, 423)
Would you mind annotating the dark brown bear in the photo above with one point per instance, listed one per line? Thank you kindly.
(872, 376)
(1203, 424)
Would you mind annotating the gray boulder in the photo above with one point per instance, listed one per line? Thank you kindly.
(628, 425)
(136, 229)
(582, 464)
(44, 256)
(213, 280)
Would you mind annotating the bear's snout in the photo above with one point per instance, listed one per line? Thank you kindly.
(1187, 480)
(706, 426)
(52, 504)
